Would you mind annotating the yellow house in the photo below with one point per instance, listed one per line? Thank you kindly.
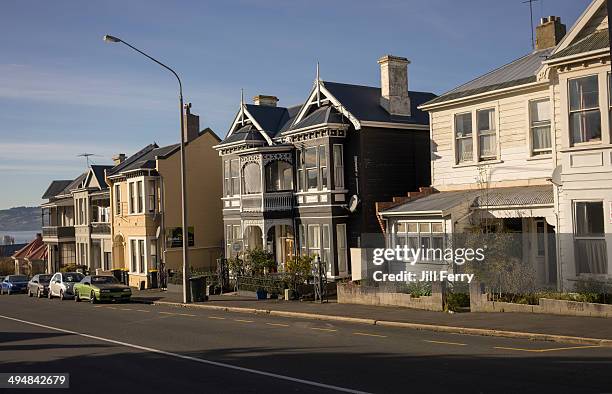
(145, 197)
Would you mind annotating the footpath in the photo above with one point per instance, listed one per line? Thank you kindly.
(564, 329)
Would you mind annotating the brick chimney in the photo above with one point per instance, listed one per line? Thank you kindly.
(394, 85)
(192, 124)
(263, 100)
(549, 32)
(118, 158)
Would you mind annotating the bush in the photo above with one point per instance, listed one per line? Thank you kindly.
(456, 302)
(299, 269)
(260, 261)
(7, 267)
(75, 268)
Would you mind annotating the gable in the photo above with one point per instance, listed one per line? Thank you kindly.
(594, 18)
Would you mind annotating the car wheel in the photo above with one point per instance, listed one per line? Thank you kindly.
(92, 298)
(76, 297)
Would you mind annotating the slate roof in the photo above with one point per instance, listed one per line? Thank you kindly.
(519, 196)
(75, 184)
(518, 72)
(245, 133)
(98, 171)
(144, 158)
(130, 160)
(597, 40)
(322, 115)
(55, 188)
(364, 103)
(10, 250)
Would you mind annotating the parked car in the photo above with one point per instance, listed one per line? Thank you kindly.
(62, 284)
(39, 285)
(97, 288)
(14, 284)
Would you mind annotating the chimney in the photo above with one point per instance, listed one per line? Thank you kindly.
(192, 124)
(118, 158)
(394, 85)
(266, 101)
(549, 32)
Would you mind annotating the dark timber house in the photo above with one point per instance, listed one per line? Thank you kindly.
(305, 179)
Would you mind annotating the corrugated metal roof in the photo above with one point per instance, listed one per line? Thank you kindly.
(55, 188)
(598, 40)
(518, 72)
(520, 196)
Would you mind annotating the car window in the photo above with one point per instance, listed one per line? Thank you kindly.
(72, 277)
(44, 278)
(18, 278)
(103, 280)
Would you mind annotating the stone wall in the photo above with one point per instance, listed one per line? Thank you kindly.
(479, 302)
(350, 293)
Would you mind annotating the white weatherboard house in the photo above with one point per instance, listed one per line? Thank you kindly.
(526, 149)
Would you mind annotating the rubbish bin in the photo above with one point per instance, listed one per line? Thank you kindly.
(118, 274)
(196, 286)
(152, 279)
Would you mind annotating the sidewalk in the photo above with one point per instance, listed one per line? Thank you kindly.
(482, 323)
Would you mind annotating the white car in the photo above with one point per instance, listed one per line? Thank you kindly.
(62, 283)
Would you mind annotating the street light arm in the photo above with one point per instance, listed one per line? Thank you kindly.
(158, 62)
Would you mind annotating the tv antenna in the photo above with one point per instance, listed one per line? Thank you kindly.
(531, 20)
(86, 156)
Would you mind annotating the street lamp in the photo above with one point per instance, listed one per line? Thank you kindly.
(186, 293)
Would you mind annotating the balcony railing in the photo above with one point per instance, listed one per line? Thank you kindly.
(267, 202)
(100, 228)
(58, 231)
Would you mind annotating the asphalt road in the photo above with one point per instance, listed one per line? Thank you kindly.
(140, 348)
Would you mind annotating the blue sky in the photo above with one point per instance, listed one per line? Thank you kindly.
(63, 91)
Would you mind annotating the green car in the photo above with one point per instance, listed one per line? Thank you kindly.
(98, 288)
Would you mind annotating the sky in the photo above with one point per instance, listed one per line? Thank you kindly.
(64, 91)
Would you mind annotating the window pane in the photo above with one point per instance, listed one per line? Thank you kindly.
(539, 111)
(424, 227)
(589, 218)
(325, 236)
(488, 146)
(252, 178)
(541, 138)
(322, 156)
(584, 93)
(311, 157)
(486, 119)
(401, 227)
(591, 256)
(226, 169)
(338, 155)
(465, 150)
(585, 126)
(412, 227)
(312, 178)
(436, 227)
(234, 168)
(463, 124)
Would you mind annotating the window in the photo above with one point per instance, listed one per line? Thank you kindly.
(541, 238)
(341, 242)
(299, 158)
(133, 255)
(103, 214)
(117, 199)
(132, 197)
(610, 104)
(303, 245)
(279, 176)
(140, 196)
(323, 165)
(141, 251)
(232, 235)
(314, 240)
(151, 197)
(589, 235)
(326, 245)
(338, 167)
(107, 261)
(463, 137)
(252, 179)
(227, 180)
(310, 163)
(153, 254)
(539, 126)
(424, 235)
(584, 116)
(487, 145)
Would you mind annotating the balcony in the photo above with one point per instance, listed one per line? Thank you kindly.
(58, 232)
(100, 228)
(267, 202)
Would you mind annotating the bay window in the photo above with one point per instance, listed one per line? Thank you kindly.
(117, 199)
(584, 115)
(141, 252)
(463, 138)
(151, 197)
(133, 255)
(338, 167)
(132, 196)
(140, 196)
(252, 178)
(279, 176)
(539, 126)
(300, 169)
(323, 166)
(313, 241)
(487, 144)
(310, 165)
(589, 238)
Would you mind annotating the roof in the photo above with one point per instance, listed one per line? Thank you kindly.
(35, 250)
(518, 72)
(98, 172)
(75, 184)
(363, 102)
(244, 134)
(55, 188)
(9, 250)
(519, 196)
(598, 40)
(322, 115)
(271, 119)
(130, 160)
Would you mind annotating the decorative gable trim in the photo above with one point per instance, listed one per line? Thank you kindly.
(244, 117)
(580, 24)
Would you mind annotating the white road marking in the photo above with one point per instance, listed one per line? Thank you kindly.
(546, 350)
(446, 343)
(323, 329)
(216, 317)
(369, 335)
(195, 359)
(278, 324)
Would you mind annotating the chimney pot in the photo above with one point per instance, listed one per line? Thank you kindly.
(394, 85)
(549, 32)
(266, 101)
(118, 158)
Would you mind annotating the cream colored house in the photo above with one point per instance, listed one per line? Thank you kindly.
(525, 149)
(145, 197)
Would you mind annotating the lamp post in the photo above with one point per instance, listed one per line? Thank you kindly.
(186, 292)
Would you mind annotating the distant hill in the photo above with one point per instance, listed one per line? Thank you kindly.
(20, 219)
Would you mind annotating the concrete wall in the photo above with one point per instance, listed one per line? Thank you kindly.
(349, 293)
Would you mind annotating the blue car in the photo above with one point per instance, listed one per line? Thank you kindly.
(14, 284)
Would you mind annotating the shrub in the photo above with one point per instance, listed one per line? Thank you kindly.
(74, 268)
(299, 269)
(260, 261)
(7, 267)
(456, 302)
